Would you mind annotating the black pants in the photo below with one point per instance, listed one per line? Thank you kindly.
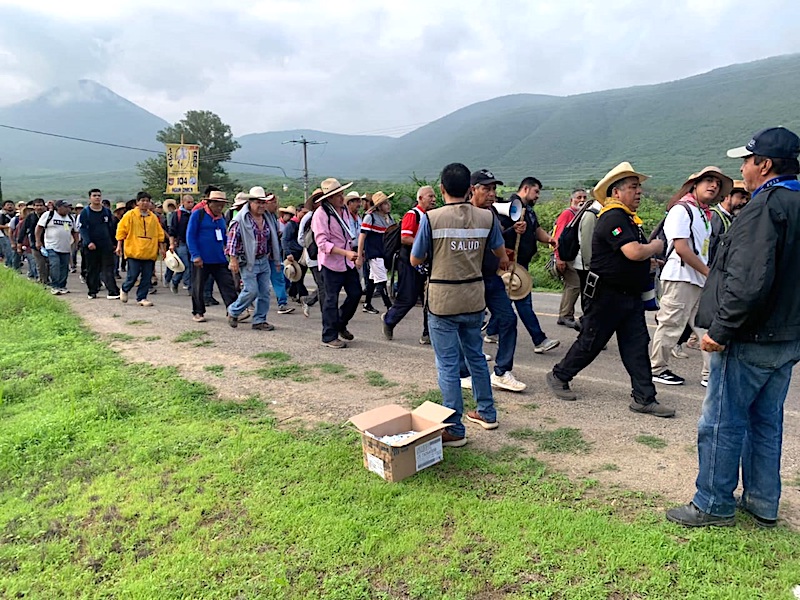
(410, 286)
(582, 275)
(297, 289)
(611, 312)
(319, 294)
(217, 272)
(334, 318)
(99, 265)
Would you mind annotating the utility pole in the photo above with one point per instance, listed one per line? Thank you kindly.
(305, 143)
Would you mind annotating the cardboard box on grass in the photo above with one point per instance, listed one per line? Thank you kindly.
(407, 456)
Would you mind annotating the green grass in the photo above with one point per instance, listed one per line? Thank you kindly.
(531, 406)
(190, 336)
(435, 395)
(121, 337)
(138, 322)
(561, 440)
(376, 379)
(331, 368)
(278, 357)
(215, 369)
(652, 441)
(203, 343)
(611, 467)
(152, 338)
(127, 481)
(280, 372)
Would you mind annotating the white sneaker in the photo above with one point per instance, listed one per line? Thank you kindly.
(490, 339)
(145, 302)
(507, 381)
(123, 295)
(466, 383)
(547, 344)
(54, 291)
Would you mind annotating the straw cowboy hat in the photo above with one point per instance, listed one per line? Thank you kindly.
(170, 202)
(354, 196)
(240, 200)
(518, 283)
(331, 187)
(288, 209)
(119, 206)
(725, 187)
(292, 271)
(738, 186)
(315, 195)
(217, 197)
(174, 262)
(258, 193)
(622, 171)
(379, 198)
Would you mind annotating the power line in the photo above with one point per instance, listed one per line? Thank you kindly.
(305, 144)
(210, 158)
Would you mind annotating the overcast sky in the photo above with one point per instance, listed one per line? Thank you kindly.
(365, 66)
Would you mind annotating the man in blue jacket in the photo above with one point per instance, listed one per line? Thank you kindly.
(751, 309)
(206, 235)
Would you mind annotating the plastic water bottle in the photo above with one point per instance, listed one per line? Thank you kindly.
(43, 252)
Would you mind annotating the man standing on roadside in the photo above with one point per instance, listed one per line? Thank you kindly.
(410, 282)
(97, 234)
(56, 233)
(338, 264)
(572, 283)
(206, 235)
(453, 239)
(751, 308)
(144, 239)
(531, 235)
(250, 250)
(620, 273)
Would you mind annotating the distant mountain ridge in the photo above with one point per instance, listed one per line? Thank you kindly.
(667, 130)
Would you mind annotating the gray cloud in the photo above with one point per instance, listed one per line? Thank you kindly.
(371, 67)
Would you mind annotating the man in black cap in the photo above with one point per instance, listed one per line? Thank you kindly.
(751, 309)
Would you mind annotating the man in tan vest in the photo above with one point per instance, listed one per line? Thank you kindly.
(453, 239)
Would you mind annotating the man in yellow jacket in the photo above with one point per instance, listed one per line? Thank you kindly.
(144, 239)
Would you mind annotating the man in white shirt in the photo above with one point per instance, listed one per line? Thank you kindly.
(688, 230)
(56, 232)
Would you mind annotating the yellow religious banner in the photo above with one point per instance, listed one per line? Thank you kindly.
(182, 162)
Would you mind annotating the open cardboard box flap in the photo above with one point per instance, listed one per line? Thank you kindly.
(391, 419)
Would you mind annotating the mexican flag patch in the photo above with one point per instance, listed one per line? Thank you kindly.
(617, 231)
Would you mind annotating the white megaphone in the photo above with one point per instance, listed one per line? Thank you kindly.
(512, 210)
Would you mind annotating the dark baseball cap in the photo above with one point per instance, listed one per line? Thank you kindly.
(774, 142)
(61, 203)
(484, 177)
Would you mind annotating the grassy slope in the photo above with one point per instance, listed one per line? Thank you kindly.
(127, 481)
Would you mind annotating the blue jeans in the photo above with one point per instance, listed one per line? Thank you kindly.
(186, 275)
(256, 287)
(136, 268)
(6, 251)
(505, 320)
(33, 271)
(449, 337)
(278, 283)
(742, 422)
(59, 268)
(527, 316)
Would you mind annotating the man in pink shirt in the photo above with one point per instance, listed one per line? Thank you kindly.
(572, 284)
(338, 263)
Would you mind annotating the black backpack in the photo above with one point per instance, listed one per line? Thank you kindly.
(658, 233)
(569, 243)
(391, 242)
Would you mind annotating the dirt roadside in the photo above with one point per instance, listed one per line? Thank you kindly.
(330, 386)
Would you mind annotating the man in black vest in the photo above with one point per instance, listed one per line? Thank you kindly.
(620, 271)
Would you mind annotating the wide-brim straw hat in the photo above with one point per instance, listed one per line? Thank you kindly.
(258, 193)
(170, 201)
(240, 200)
(331, 187)
(519, 283)
(315, 195)
(217, 196)
(738, 186)
(622, 171)
(379, 198)
(288, 209)
(174, 262)
(725, 188)
(119, 206)
(292, 271)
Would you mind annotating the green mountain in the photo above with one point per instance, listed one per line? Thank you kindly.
(667, 130)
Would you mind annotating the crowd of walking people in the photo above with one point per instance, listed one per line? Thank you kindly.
(718, 268)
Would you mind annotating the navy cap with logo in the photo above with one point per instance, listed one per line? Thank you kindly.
(484, 177)
(774, 142)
